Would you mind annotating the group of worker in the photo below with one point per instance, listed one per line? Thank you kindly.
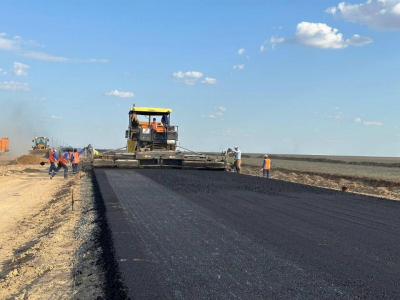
(63, 160)
(237, 162)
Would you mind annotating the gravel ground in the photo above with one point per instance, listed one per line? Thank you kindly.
(88, 272)
(183, 234)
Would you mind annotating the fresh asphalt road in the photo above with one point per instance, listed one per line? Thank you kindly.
(185, 234)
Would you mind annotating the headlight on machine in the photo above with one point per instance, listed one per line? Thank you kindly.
(171, 142)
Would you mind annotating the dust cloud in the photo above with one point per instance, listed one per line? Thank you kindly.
(20, 122)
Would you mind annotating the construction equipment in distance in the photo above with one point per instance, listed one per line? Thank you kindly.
(40, 147)
(149, 147)
(4, 146)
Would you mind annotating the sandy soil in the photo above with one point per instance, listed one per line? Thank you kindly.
(39, 244)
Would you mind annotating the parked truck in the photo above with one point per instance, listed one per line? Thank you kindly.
(4, 146)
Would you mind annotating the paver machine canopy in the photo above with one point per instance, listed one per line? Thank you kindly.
(154, 143)
(148, 135)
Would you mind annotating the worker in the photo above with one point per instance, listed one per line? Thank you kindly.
(52, 159)
(238, 158)
(165, 120)
(89, 151)
(266, 166)
(154, 124)
(62, 163)
(134, 120)
(75, 159)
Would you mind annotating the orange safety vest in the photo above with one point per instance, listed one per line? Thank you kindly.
(154, 126)
(267, 164)
(76, 158)
(51, 157)
(63, 160)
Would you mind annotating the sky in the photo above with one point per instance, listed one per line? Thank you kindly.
(282, 77)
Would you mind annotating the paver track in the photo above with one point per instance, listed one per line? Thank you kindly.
(182, 234)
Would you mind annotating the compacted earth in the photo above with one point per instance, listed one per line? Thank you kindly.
(47, 250)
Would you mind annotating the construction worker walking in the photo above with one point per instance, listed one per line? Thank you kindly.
(238, 158)
(52, 159)
(62, 163)
(75, 159)
(266, 166)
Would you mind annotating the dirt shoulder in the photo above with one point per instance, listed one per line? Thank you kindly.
(354, 184)
(44, 243)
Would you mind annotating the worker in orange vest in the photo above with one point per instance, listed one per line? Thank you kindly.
(62, 163)
(75, 159)
(52, 159)
(266, 166)
(154, 124)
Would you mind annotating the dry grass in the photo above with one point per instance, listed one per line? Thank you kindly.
(365, 168)
(365, 175)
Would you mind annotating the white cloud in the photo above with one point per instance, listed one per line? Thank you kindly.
(20, 69)
(273, 41)
(357, 120)
(193, 74)
(17, 42)
(189, 81)
(14, 86)
(380, 14)
(221, 108)
(178, 74)
(357, 40)
(319, 35)
(47, 57)
(276, 40)
(211, 116)
(116, 93)
(209, 80)
(218, 114)
(189, 76)
(238, 67)
(7, 44)
(56, 117)
(241, 51)
(372, 123)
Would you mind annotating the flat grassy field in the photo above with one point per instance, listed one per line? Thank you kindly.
(378, 168)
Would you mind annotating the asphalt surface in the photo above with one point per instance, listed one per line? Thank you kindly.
(181, 234)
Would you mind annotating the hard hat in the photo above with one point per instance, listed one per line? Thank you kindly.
(54, 150)
(236, 147)
(265, 155)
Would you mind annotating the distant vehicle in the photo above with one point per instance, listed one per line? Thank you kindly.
(4, 145)
(40, 147)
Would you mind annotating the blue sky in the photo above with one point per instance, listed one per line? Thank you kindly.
(301, 77)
